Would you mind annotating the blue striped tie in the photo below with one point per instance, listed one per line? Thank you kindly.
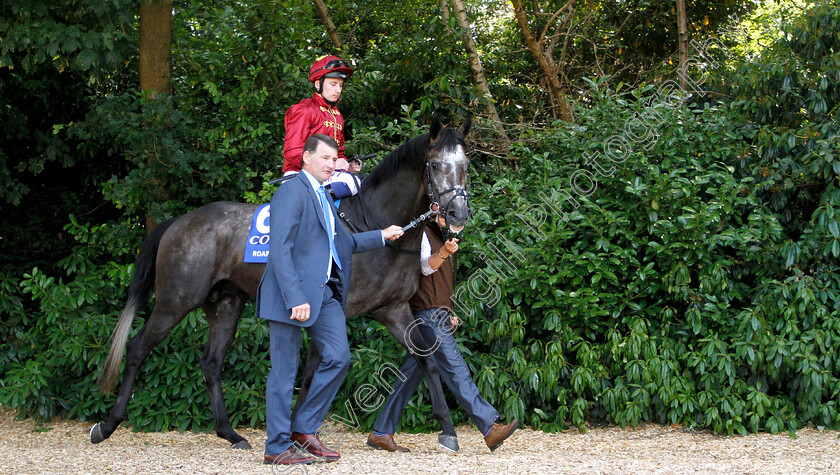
(325, 206)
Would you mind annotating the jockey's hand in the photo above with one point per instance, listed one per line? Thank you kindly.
(392, 232)
(301, 312)
(454, 321)
(355, 166)
(341, 165)
(451, 246)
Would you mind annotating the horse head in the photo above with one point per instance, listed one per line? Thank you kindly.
(447, 169)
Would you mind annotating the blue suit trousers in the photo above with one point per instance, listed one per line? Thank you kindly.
(329, 334)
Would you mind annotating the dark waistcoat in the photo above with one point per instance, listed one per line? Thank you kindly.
(435, 290)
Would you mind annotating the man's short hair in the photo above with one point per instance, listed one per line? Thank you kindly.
(312, 142)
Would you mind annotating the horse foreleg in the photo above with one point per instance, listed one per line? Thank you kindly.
(420, 341)
(313, 360)
(423, 344)
(150, 335)
(222, 317)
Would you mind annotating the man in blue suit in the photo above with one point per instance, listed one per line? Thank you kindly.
(305, 285)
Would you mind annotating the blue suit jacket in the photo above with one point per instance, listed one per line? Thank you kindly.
(299, 251)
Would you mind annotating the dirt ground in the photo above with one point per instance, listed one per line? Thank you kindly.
(62, 446)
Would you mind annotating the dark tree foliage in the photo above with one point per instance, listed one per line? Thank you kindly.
(53, 57)
(628, 42)
(56, 59)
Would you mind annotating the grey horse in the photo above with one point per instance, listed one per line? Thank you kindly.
(197, 260)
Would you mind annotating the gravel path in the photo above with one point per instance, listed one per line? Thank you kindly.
(62, 446)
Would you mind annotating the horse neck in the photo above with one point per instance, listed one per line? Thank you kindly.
(399, 199)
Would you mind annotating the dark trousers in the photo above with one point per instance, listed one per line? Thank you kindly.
(329, 333)
(453, 371)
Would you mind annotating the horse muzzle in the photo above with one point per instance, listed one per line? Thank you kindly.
(457, 215)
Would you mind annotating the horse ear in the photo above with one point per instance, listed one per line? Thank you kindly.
(434, 131)
(464, 129)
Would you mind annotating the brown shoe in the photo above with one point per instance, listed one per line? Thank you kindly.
(289, 457)
(498, 433)
(385, 442)
(312, 444)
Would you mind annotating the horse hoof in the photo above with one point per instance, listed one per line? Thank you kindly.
(96, 434)
(449, 442)
(242, 444)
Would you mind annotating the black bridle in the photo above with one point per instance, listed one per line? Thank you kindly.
(436, 196)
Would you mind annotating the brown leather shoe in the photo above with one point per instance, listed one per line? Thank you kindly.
(312, 444)
(289, 457)
(498, 433)
(385, 442)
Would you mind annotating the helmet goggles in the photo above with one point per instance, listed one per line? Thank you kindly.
(330, 67)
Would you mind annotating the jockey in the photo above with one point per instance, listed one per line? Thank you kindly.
(319, 114)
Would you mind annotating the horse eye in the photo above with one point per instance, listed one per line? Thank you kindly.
(434, 166)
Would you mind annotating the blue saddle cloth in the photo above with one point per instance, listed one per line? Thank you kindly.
(256, 247)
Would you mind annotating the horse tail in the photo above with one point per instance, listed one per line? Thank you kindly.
(138, 297)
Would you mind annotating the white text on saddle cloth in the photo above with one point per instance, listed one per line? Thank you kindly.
(256, 247)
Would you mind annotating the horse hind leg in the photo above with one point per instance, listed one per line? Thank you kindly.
(223, 314)
(159, 324)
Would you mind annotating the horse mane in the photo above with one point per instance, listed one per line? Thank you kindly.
(410, 154)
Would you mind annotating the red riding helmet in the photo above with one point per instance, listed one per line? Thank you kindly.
(329, 67)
